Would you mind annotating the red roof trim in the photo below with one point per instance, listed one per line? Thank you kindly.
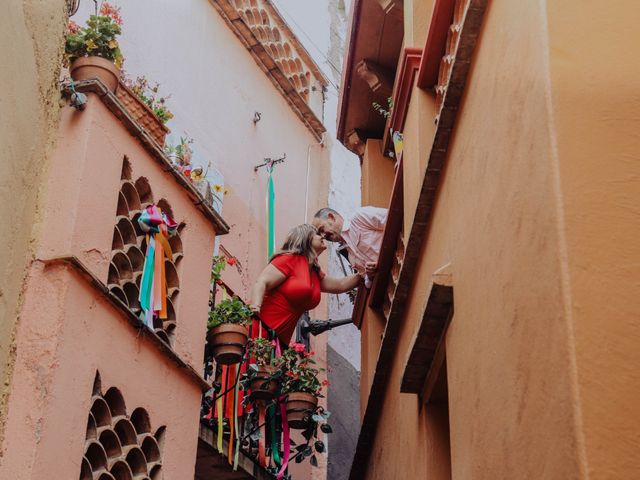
(402, 89)
(347, 67)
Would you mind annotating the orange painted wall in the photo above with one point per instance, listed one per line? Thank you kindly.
(596, 110)
(537, 214)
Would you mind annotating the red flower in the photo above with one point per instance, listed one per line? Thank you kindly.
(231, 261)
(109, 10)
(73, 27)
(326, 383)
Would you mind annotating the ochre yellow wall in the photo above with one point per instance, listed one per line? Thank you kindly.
(377, 175)
(31, 42)
(538, 216)
(595, 98)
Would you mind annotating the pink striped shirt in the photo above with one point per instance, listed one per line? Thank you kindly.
(362, 235)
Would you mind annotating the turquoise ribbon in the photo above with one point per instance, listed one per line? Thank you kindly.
(271, 198)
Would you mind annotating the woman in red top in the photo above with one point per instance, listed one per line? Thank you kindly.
(291, 283)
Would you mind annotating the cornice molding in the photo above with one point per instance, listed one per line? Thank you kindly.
(278, 53)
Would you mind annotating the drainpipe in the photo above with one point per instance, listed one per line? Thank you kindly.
(306, 188)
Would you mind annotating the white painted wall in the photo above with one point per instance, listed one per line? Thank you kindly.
(321, 27)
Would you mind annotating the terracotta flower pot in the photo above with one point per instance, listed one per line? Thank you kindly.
(299, 405)
(84, 68)
(228, 341)
(142, 114)
(261, 392)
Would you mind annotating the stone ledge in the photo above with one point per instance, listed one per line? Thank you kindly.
(76, 265)
(116, 107)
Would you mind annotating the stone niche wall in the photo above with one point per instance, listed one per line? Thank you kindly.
(119, 446)
(129, 247)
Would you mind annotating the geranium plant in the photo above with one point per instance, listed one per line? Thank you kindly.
(301, 375)
(149, 94)
(229, 310)
(97, 37)
(261, 350)
(299, 371)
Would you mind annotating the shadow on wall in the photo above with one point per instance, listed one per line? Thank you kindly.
(343, 403)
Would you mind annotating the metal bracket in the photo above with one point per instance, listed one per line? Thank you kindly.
(270, 162)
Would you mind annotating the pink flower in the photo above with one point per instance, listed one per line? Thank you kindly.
(326, 383)
(73, 27)
(299, 347)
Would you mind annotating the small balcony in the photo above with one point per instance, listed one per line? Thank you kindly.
(244, 435)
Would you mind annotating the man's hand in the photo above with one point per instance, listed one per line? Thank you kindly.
(371, 268)
(255, 310)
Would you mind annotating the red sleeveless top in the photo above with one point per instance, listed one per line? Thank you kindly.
(282, 306)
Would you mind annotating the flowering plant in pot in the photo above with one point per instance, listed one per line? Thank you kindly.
(262, 379)
(92, 51)
(301, 387)
(300, 384)
(227, 333)
(148, 94)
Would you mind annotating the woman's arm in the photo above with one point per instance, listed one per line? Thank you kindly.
(339, 285)
(269, 279)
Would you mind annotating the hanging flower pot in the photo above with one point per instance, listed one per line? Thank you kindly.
(84, 68)
(92, 51)
(228, 330)
(228, 341)
(264, 386)
(299, 406)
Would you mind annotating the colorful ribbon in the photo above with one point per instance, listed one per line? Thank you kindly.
(153, 286)
(271, 198)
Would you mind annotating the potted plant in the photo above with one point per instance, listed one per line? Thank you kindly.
(227, 333)
(262, 378)
(300, 384)
(92, 51)
(145, 104)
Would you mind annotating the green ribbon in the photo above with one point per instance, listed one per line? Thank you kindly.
(271, 247)
(271, 198)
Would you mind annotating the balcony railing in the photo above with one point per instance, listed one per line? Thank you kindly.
(232, 427)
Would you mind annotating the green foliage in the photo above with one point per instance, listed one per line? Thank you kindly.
(261, 350)
(385, 112)
(230, 310)
(97, 38)
(218, 265)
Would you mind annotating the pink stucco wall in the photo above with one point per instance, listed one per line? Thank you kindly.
(82, 196)
(68, 330)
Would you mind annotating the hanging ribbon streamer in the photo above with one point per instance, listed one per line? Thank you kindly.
(286, 439)
(271, 198)
(153, 286)
(231, 411)
(238, 396)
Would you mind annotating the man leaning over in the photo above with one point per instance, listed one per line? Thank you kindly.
(360, 235)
